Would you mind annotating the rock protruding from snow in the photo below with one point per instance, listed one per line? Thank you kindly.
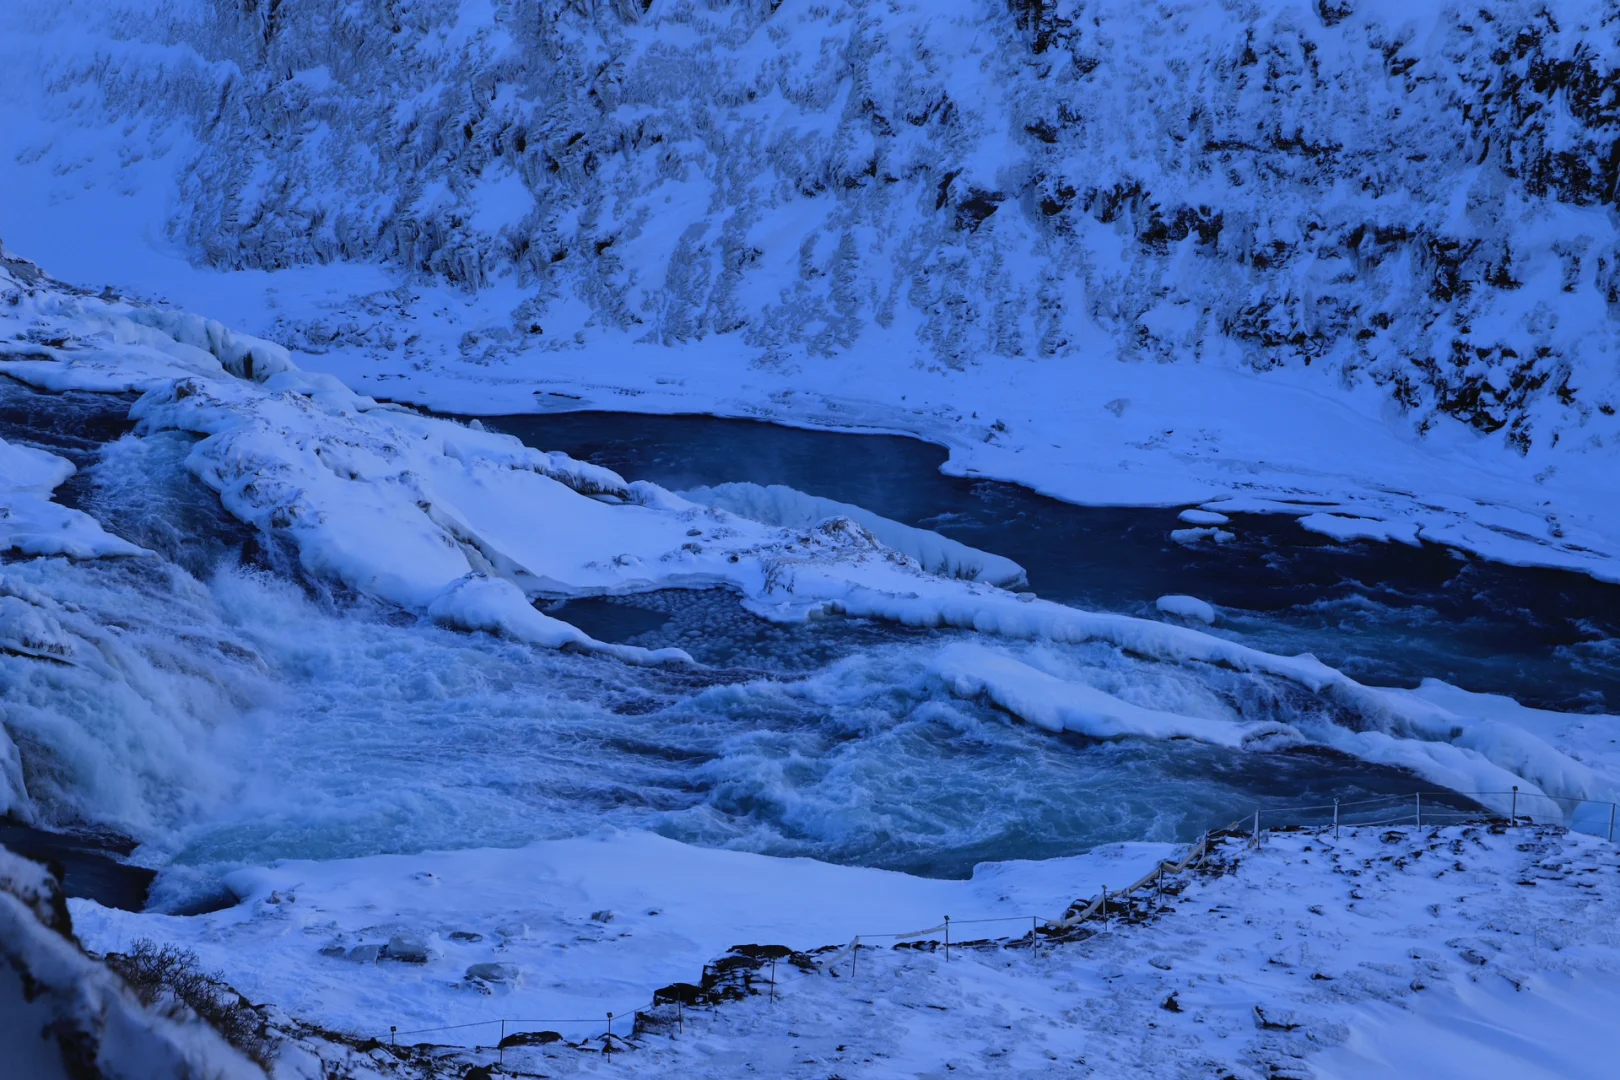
(65, 1016)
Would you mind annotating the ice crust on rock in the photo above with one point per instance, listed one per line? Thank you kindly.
(1187, 607)
(777, 504)
(1340, 527)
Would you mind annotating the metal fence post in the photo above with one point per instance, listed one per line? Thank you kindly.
(947, 939)
(680, 1016)
(1611, 823)
(500, 1047)
(773, 980)
(1105, 907)
(1034, 939)
(1335, 819)
(1417, 803)
(1257, 828)
(392, 1028)
(855, 954)
(1513, 814)
(607, 1046)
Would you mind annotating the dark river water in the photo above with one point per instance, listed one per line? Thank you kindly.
(1387, 614)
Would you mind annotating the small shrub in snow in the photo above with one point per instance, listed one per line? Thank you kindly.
(171, 978)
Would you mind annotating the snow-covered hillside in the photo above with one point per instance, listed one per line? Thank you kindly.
(1122, 253)
(1414, 196)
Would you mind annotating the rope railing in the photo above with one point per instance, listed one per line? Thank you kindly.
(1345, 813)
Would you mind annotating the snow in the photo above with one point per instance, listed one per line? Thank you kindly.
(1059, 705)
(1195, 536)
(31, 524)
(777, 504)
(1187, 607)
(63, 1014)
(1464, 948)
(1340, 527)
(591, 924)
(1347, 263)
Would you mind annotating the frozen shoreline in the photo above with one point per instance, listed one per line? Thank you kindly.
(1357, 955)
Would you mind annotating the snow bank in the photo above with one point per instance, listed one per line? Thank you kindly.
(1355, 955)
(64, 1015)
(1354, 528)
(777, 504)
(31, 524)
(590, 924)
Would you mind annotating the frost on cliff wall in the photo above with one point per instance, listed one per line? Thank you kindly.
(1419, 196)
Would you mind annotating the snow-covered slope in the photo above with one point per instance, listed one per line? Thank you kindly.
(65, 1015)
(1123, 254)
(1456, 952)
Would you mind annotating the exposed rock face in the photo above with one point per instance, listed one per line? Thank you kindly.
(1415, 197)
(63, 1014)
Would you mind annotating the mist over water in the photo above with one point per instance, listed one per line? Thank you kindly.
(227, 709)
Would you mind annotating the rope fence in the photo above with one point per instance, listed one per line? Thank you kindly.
(1433, 808)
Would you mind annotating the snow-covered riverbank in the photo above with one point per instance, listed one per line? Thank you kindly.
(1382, 952)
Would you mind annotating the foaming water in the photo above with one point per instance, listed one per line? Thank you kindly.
(389, 737)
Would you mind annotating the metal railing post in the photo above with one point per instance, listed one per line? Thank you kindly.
(947, 939)
(607, 1046)
(500, 1047)
(1611, 823)
(1417, 803)
(1257, 828)
(1513, 814)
